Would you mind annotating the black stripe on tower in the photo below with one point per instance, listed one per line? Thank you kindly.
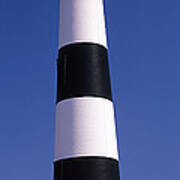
(83, 71)
(87, 168)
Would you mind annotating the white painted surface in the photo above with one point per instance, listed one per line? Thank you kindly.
(82, 21)
(85, 127)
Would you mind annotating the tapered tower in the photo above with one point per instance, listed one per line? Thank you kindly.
(85, 140)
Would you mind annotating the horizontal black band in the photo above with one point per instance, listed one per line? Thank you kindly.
(87, 168)
(83, 71)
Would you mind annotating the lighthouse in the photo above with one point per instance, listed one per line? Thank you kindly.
(85, 137)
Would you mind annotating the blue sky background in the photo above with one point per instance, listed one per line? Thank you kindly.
(144, 43)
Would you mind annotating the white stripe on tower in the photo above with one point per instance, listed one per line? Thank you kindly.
(82, 21)
(85, 145)
(86, 129)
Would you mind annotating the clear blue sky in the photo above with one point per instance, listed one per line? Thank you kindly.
(144, 41)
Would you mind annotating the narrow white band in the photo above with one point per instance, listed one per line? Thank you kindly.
(85, 127)
(82, 21)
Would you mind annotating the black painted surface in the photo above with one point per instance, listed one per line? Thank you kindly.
(83, 71)
(92, 168)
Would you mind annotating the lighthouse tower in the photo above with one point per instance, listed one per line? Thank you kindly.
(85, 138)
